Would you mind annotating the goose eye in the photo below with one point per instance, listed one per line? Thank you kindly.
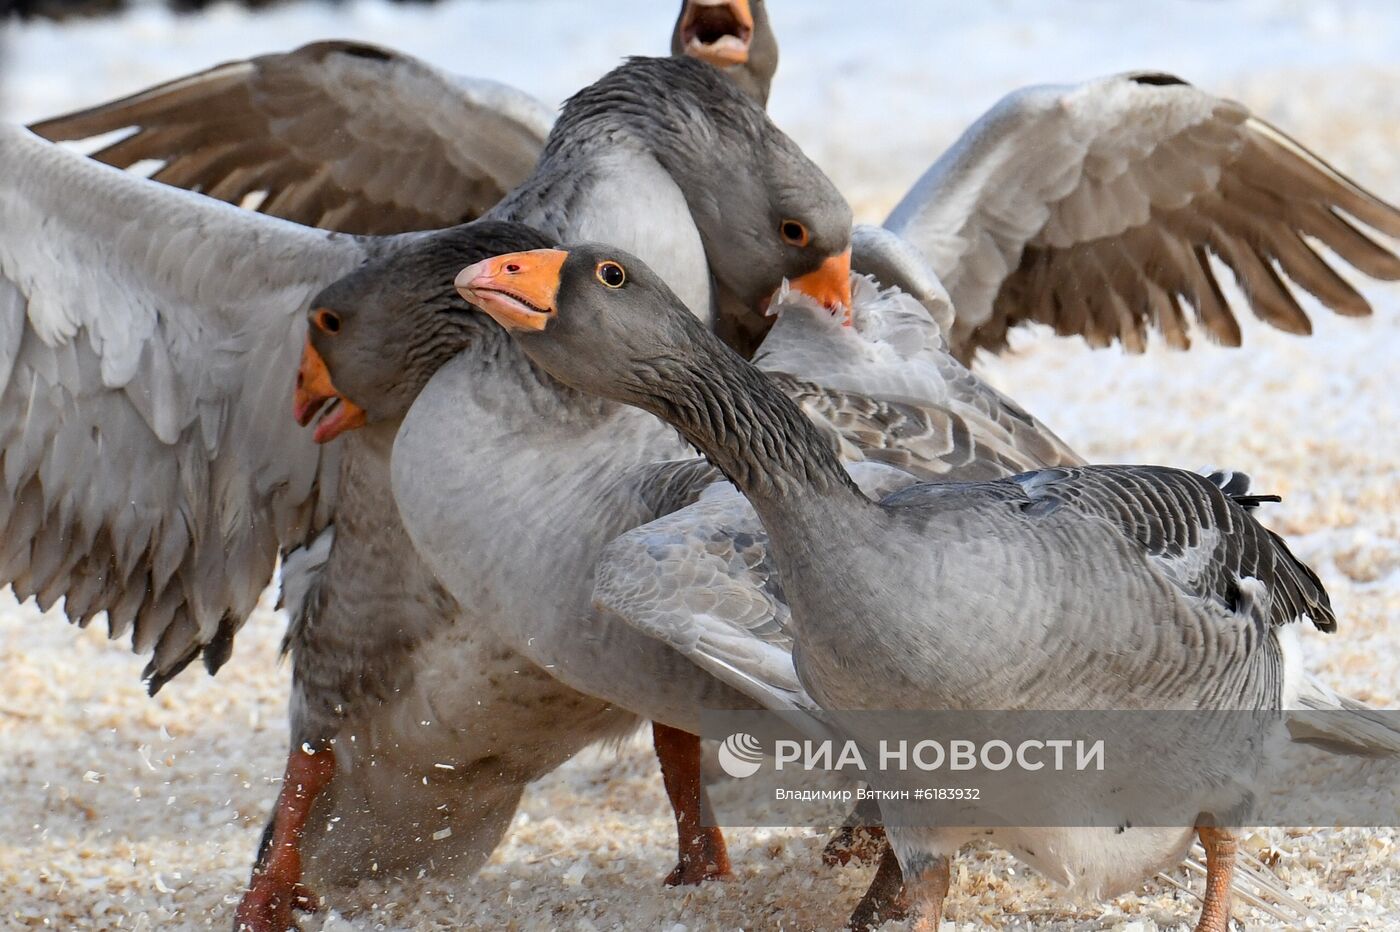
(611, 274)
(793, 233)
(326, 320)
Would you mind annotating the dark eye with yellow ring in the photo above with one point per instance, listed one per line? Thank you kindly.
(793, 233)
(611, 274)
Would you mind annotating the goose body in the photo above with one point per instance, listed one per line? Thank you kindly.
(1045, 562)
(437, 724)
(1113, 582)
(575, 481)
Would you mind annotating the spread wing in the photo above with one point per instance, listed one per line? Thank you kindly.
(1096, 209)
(702, 580)
(148, 345)
(338, 135)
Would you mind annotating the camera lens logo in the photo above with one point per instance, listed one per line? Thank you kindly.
(740, 755)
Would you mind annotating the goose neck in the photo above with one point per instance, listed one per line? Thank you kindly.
(751, 431)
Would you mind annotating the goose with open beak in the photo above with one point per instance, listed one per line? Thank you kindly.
(734, 36)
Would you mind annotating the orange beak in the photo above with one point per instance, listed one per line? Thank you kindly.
(518, 289)
(829, 284)
(717, 31)
(314, 389)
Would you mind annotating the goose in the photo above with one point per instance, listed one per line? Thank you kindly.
(1139, 183)
(664, 577)
(1106, 541)
(358, 138)
(174, 265)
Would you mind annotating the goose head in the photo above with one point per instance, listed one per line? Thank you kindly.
(600, 321)
(764, 212)
(376, 336)
(734, 36)
(596, 318)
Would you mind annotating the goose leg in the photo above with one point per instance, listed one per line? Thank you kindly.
(926, 885)
(1221, 846)
(884, 899)
(860, 840)
(703, 855)
(275, 889)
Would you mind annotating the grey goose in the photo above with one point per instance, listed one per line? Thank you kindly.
(893, 612)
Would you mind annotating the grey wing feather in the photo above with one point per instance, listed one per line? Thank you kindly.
(671, 485)
(955, 442)
(151, 468)
(1197, 534)
(702, 580)
(1322, 717)
(1097, 208)
(339, 135)
(302, 571)
(887, 388)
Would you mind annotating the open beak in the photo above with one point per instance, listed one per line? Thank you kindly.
(829, 284)
(314, 389)
(518, 289)
(717, 31)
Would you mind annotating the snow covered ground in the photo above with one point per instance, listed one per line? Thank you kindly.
(125, 812)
